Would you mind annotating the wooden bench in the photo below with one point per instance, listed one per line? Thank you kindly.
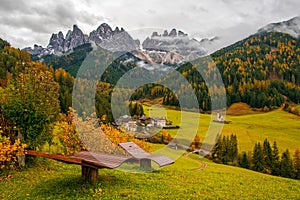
(145, 158)
(92, 161)
(89, 162)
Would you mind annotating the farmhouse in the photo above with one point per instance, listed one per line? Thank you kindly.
(159, 122)
(130, 124)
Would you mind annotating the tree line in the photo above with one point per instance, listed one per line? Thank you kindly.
(264, 158)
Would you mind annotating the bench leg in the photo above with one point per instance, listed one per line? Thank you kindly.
(145, 164)
(89, 174)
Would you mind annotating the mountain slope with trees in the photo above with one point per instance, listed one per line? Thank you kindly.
(256, 70)
(261, 70)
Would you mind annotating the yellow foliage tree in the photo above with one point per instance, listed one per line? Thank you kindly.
(64, 130)
(9, 152)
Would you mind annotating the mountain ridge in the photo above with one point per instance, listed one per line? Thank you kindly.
(291, 27)
(104, 36)
(167, 48)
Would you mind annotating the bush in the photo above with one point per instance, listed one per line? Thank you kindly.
(64, 130)
(9, 152)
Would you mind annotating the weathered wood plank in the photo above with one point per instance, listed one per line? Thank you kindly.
(134, 150)
(65, 159)
(101, 160)
(161, 160)
(137, 152)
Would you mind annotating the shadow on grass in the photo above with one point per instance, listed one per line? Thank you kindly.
(54, 180)
(69, 186)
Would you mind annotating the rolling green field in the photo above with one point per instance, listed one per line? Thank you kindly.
(278, 125)
(181, 180)
(48, 179)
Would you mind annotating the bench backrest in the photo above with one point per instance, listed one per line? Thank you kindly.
(134, 150)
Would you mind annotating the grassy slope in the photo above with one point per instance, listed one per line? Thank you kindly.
(276, 125)
(178, 181)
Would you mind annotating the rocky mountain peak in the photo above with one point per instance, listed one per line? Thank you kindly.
(174, 41)
(155, 34)
(104, 36)
(104, 30)
(56, 42)
(36, 50)
(74, 38)
(168, 47)
(60, 34)
(75, 28)
(173, 33)
(291, 27)
(165, 33)
(117, 30)
(113, 40)
(182, 34)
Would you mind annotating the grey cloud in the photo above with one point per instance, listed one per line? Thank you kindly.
(26, 22)
(151, 11)
(198, 8)
(13, 6)
(36, 20)
(64, 12)
(90, 18)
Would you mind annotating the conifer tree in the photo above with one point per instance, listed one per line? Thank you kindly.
(135, 109)
(286, 165)
(224, 150)
(216, 151)
(296, 163)
(258, 160)
(234, 147)
(131, 108)
(267, 155)
(244, 161)
(276, 162)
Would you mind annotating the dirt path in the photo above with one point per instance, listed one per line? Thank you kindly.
(203, 164)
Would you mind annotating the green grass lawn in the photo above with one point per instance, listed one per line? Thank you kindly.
(178, 181)
(276, 125)
(48, 179)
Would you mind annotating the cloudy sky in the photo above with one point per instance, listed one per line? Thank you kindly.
(24, 23)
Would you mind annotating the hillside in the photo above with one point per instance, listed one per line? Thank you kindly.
(260, 70)
(260, 66)
(291, 26)
(70, 61)
(178, 181)
(278, 125)
(12, 61)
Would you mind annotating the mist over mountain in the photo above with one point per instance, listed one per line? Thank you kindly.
(177, 42)
(168, 48)
(291, 27)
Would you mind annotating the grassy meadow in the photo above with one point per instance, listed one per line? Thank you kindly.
(48, 179)
(277, 125)
(53, 180)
